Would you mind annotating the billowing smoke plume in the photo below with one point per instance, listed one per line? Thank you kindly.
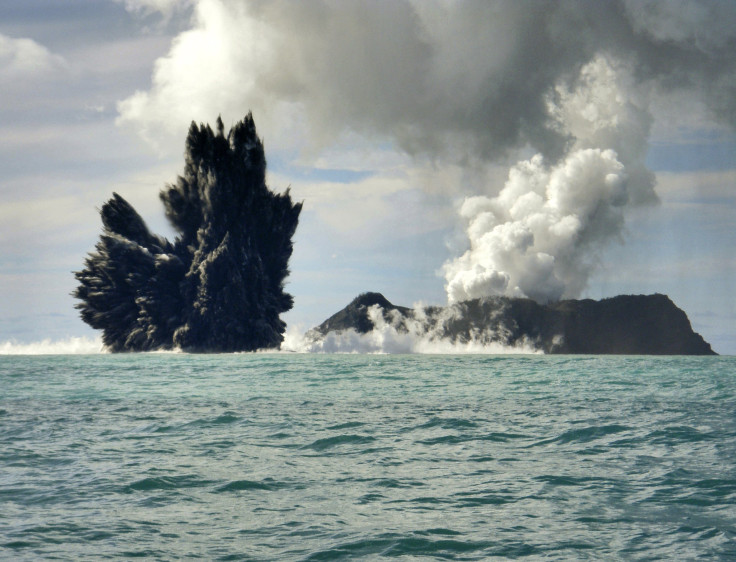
(469, 83)
(453, 79)
(220, 285)
(539, 237)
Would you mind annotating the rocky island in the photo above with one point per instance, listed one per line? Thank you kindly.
(625, 325)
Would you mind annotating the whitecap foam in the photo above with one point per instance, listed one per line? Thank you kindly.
(68, 346)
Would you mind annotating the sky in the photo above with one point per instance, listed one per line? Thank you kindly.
(443, 150)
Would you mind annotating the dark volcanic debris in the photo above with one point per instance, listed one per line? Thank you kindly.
(220, 285)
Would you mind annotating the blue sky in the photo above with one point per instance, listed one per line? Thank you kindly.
(384, 118)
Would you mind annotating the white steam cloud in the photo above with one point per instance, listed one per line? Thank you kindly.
(540, 235)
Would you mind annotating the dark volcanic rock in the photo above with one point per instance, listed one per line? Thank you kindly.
(626, 324)
(355, 315)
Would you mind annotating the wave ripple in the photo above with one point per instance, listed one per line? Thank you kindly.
(304, 457)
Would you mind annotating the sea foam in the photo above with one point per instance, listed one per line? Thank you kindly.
(68, 346)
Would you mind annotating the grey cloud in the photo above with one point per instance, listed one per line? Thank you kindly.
(470, 78)
(468, 82)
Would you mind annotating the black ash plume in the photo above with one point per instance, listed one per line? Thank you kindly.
(220, 285)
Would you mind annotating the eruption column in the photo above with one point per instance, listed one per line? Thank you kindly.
(540, 236)
(220, 285)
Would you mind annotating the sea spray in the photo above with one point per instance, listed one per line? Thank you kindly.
(71, 345)
(393, 333)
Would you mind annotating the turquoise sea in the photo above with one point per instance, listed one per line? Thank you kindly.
(328, 457)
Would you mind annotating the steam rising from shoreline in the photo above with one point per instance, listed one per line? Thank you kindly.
(539, 237)
(400, 335)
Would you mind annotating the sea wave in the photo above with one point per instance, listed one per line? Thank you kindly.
(323, 457)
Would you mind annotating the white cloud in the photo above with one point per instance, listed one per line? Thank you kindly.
(24, 59)
(203, 74)
(165, 7)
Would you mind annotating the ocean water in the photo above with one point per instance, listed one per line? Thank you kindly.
(328, 457)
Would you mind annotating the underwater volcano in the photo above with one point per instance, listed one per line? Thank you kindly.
(219, 286)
